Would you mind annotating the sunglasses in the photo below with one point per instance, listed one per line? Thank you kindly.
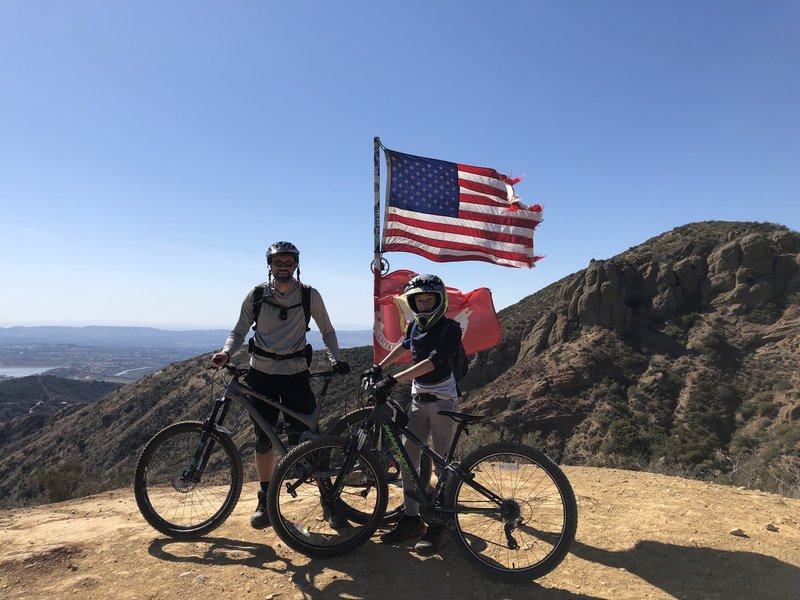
(283, 264)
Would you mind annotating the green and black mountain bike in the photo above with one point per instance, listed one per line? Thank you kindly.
(511, 509)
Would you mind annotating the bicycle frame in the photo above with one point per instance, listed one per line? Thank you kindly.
(447, 467)
(244, 394)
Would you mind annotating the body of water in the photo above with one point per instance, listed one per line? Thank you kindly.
(23, 371)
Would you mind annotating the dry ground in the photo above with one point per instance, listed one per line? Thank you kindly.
(639, 536)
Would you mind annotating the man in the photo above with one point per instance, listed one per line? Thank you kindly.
(278, 366)
(432, 340)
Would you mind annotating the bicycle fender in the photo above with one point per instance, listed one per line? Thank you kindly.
(308, 435)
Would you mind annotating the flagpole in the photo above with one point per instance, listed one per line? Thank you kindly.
(378, 259)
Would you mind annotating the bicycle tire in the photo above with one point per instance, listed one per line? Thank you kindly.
(175, 507)
(349, 424)
(538, 500)
(299, 517)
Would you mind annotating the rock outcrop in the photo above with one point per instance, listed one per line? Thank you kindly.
(671, 347)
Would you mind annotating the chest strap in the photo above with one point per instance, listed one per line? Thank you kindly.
(253, 349)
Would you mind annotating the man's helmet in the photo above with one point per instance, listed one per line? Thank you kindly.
(282, 248)
(426, 284)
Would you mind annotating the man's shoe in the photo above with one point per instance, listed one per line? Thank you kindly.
(260, 519)
(435, 537)
(406, 528)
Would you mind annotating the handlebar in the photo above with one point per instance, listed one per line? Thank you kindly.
(234, 370)
(238, 372)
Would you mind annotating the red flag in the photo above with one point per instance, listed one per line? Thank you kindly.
(474, 311)
(451, 212)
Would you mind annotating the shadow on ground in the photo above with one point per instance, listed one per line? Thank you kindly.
(697, 572)
(374, 570)
(377, 569)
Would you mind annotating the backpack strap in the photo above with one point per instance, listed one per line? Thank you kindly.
(305, 293)
(258, 300)
(258, 297)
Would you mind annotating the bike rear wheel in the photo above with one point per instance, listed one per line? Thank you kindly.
(177, 499)
(299, 500)
(530, 532)
(348, 425)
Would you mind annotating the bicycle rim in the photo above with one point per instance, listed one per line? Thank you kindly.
(298, 493)
(529, 534)
(181, 506)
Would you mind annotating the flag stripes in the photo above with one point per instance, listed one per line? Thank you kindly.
(452, 212)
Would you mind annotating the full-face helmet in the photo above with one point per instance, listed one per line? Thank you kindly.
(426, 284)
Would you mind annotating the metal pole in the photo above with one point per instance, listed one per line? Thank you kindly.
(376, 263)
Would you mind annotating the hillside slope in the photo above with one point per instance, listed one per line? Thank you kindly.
(680, 354)
(639, 536)
(46, 395)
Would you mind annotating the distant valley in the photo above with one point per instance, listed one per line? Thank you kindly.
(120, 354)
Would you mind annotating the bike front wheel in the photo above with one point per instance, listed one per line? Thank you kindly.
(180, 496)
(527, 529)
(309, 515)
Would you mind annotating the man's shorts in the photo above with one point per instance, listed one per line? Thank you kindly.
(292, 391)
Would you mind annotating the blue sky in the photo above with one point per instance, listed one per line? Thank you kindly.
(151, 151)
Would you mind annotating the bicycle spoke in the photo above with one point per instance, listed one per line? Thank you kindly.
(530, 529)
(182, 508)
(306, 513)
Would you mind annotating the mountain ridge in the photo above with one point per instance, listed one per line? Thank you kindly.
(677, 356)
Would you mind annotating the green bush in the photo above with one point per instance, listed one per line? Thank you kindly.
(714, 342)
(764, 314)
(622, 438)
(61, 482)
(761, 404)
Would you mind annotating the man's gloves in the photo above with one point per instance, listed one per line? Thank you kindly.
(340, 367)
(372, 374)
(383, 388)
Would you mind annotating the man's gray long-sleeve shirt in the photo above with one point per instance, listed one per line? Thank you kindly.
(282, 337)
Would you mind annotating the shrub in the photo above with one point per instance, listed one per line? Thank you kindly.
(764, 314)
(622, 438)
(761, 404)
(60, 483)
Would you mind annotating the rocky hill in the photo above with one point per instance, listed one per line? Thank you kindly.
(678, 356)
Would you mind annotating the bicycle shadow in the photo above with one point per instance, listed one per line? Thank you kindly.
(698, 572)
(409, 576)
(376, 569)
(214, 551)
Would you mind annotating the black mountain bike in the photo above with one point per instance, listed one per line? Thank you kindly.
(511, 509)
(189, 475)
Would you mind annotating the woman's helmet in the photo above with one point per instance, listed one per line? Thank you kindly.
(426, 284)
(282, 248)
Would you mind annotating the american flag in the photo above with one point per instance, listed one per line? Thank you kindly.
(450, 212)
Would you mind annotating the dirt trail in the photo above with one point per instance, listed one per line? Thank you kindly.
(639, 536)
